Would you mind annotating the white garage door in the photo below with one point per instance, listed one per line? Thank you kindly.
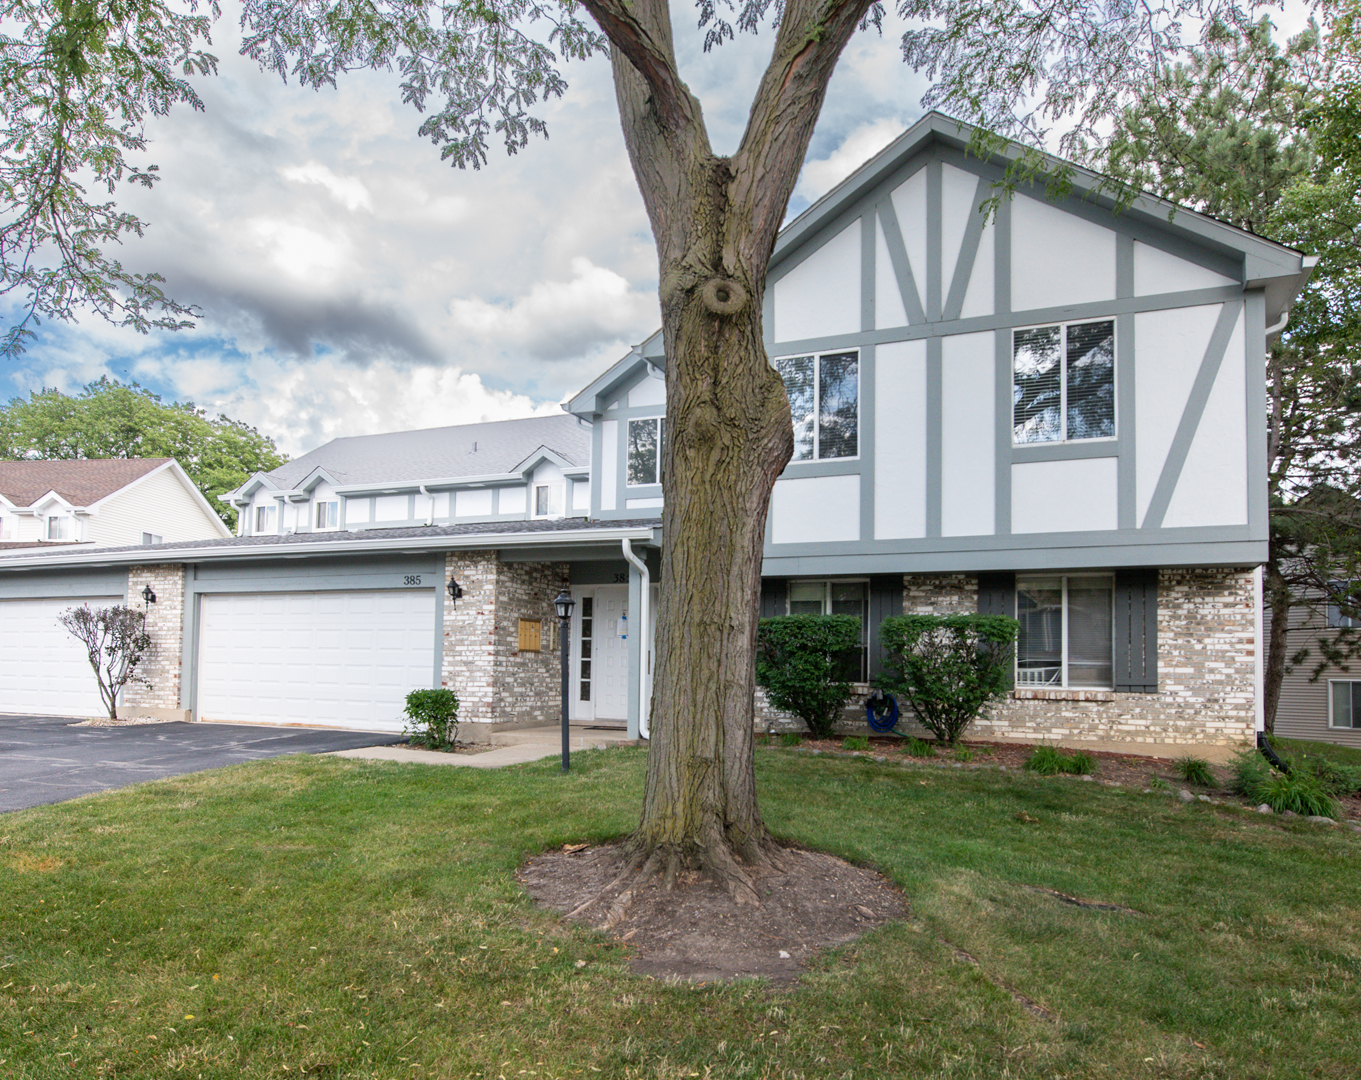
(43, 669)
(334, 659)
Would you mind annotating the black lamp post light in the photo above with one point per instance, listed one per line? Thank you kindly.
(564, 604)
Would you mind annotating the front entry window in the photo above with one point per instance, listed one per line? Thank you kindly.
(1067, 631)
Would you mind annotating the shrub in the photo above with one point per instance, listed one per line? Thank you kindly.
(432, 718)
(798, 663)
(947, 667)
(791, 738)
(1298, 790)
(919, 748)
(1336, 779)
(1248, 772)
(115, 641)
(1194, 770)
(855, 742)
(964, 755)
(1050, 761)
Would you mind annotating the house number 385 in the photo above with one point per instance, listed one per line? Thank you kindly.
(411, 579)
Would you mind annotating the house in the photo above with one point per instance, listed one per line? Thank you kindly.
(1326, 708)
(1057, 412)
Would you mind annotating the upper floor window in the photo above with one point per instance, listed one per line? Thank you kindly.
(61, 527)
(1063, 382)
(152, 538)
(6, 528)
(646, 443)
(265, 519)
(547, 500)
(824, 398)
(1067, 631)
(1340, 615)
(837, 598)
(328, 514)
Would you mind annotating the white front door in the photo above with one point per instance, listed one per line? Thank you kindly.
(333, 659)
(610, 649)
(43, 669)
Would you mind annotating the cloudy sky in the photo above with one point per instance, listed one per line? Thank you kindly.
(352, 283)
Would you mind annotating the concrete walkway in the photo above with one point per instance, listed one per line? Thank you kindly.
(512, 747)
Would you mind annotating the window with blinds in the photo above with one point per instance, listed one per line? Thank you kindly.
(1063, 382)
(1067, 631)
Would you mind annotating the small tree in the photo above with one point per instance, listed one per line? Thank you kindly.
(947, 667)
(800, 665)
(432, 718)
(116, 642)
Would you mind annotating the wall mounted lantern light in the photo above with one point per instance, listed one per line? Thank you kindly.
(455, 590)
(148, 595)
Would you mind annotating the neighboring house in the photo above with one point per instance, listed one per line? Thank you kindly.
(103, 502)
(1058, 413)
(1327, 708)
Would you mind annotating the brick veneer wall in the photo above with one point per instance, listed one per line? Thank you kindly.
(160, 695)
(495, 682)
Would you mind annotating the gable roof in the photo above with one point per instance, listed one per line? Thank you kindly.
(80, 482)
(449, 452)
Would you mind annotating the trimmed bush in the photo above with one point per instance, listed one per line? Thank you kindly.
(947, 667)
(799, 662)
(432, 718)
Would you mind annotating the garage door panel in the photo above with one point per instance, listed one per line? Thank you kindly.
(332, 658)
(43, 669)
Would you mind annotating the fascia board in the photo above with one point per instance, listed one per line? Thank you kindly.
(592, 399)
(249, 488)
(543, 453)
(442, 483)
(315, 477)
(481, 541)
(577, 472)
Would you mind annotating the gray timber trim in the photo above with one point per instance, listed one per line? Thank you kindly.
(441, 598)
(1061, 451)
(624, 413)
(59, 584)
(827, 467)
(624, 513)
(621, 467)
(597, 448)
(934, 183)
(644, 491)
(1191, 415)
(1126, 416)
(902, 268)
(867, 271)
(1003, 455)
(1096, 309)
(885, 601)
(934, 436)
(1001, 273)
(968, 255)
(1254, 316)
(865, 435)
(1244, 553)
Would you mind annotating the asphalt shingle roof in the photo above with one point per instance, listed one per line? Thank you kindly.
(433, 453)
(79, 482)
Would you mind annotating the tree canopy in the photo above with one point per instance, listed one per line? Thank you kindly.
(110, 419)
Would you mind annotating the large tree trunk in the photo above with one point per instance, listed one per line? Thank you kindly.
(1276, 594)
(728, 435)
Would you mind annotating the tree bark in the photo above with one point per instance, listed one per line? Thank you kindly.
(1276, 594)
(728, 432)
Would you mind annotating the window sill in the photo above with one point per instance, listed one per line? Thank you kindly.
(1063, 695)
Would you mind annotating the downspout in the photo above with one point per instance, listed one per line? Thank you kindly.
(1278, 326)
(430, 509)
(645, 676)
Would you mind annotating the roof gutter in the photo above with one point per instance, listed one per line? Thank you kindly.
(549, 538)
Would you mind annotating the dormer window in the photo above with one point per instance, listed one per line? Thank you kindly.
(328, 514)
(547, 500)
(6, 528)
(265, 520)
(61, 527)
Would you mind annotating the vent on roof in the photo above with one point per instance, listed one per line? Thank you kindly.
(474, 449)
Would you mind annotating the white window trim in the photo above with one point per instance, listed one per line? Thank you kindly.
(534, 500)
(1063, 645)
(268, 511)
(1331, 725)
(817, 403)
(316, 514)
(47, 536)
(1063, 381)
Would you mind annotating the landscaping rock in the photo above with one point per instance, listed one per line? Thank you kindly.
(1204, 798)
(1265, 809)
(1288, 814)
(1185, 796)
(1321, 820)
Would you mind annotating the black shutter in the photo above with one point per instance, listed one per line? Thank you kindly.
(997, 596)
(773, 594)
(886, 599)
(1136, 631)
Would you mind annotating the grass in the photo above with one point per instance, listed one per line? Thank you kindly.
(1194, 770)
(1050, 761)
(327, 917)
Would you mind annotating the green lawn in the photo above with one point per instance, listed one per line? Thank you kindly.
(331, 918)
(1303, 748)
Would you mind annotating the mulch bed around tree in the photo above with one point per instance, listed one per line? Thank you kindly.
(696, 932)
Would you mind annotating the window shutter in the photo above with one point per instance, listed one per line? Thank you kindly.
(1136, 631)
(773, 594)
(997, 596)
(886, 600)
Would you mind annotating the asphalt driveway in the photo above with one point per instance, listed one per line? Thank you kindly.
(44, 759)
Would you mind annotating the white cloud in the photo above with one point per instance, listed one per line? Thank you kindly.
(349, 191)
(819, 176)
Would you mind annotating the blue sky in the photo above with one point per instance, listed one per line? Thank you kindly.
(352, 283)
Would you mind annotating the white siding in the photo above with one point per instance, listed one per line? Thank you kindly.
(1058, 259)
(356, 511)
(651, 391)
(888, 298)
(473, 503)
(899, 404)
(609, 464)
(967, 479)
(1064, 496)
(1155, 271)
(392, 508)
(815, 509)
(821, 296)
(512, 500)
(159, 504)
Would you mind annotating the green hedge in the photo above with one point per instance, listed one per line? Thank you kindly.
(798, 664)
(947, 667)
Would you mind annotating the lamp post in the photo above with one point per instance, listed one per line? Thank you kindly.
(564, 603)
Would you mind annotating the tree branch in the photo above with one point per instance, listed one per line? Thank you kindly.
(651, 52)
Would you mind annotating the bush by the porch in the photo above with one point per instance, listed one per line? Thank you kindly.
(947, 667)
(799, 665)
(432, 718)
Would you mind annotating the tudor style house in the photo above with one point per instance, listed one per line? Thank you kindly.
(1056, 412)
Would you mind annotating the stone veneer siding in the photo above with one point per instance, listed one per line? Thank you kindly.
(1206, 669)
(482, 662)
(159, 696)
